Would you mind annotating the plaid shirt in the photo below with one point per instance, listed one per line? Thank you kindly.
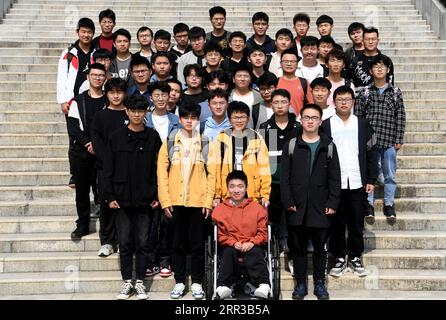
(385, 113)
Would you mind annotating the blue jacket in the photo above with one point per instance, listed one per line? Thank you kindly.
(174, 121)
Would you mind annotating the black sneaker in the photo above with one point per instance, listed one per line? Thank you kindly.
(356, 267)
(320, 291)
(370, 214)
(78, 233)
(71, 183)
(339, 268)
(389, 212)
(300, 291)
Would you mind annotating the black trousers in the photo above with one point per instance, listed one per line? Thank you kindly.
(276, 214)
(165, 240)
(188, 235)
(350, 215)
(154, 242)
(107, 216)
(84, 174)
(255, 265)
(298, 237)
(134, 225)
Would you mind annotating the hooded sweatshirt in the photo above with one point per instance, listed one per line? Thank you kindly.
(212, 129)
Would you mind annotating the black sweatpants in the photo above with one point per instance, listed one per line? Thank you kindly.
(187, 235)
(350, 214)
(298, 237)
(165, 240)
(277, 214)
(134, 225)
(154, 240)
(255, 265)
(107, 216)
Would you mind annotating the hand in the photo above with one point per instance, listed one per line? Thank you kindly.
(265, 202)
(168, 212)
(206, 212)
(293, 208)
(215, 202)
(238, 246)
(65, 107)
(329, 211)
(114, 205)
(154, 204)
(398, 146)
(89, 147)
(247, 246)
(369, 188)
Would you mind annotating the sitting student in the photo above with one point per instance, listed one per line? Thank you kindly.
(257, 60)
(197, 37)
(309, 68)
(284, 39)
(237, 57)
(240, 148)
(355, 33)
(320, 90)
(107, 21)
(218, 122)
(336, 62)
(260, 24)
(131, 191)
(144, 35)
(186, 185)
(120, 66)
(176, 91)
(219, 35)
(326, 45)
(324, 25)
(301, 24)
(194, 94)
(162, 66)
(213, 55)
(141, 71)
(180, 34)
(242, 230)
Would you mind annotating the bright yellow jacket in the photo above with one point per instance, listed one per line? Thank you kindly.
(200, 188)
(255, 164)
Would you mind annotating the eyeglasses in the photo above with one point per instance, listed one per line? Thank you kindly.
(344, 100)
(379, 66)
(289, 61)
(308, 118)
(140, 71)
(145, 35)
(193, 76)
(240, 118)
(160, 96)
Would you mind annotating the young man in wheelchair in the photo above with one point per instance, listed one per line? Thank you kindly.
(242, 230)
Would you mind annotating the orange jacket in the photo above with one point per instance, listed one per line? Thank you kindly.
(246, 222)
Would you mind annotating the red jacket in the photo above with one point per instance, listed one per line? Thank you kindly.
(246, 222)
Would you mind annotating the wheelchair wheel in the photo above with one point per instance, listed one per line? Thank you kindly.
(275, 262)
(208, 283)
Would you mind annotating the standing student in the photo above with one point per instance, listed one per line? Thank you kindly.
(81, 153)
(218, 121)
(144, 35)
(194, 94)
(162, 67)
(257, 60)
(320, 90)
(326, 45)
(309, 67)
(324, 25)
(301, 24)
(186, 185)
(356, 35)
(219, 35)
(180, 34)
(335, 61)
(131, 191)
(260, 25)
(197, 37)
(213, 55)
(284, 38)
(355, 142)
(104, 57)
(120, 66)
(176, 91)
(236, 56)
(310, 183)
(107, 21)
(141, 70)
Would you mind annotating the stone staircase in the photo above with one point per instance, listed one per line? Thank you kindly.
(37, 212)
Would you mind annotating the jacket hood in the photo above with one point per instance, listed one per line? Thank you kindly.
(227, 202)
(210, 123)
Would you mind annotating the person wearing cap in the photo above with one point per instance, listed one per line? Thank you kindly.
(324, 25)
(320, 90)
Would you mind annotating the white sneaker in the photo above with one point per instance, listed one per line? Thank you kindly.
(291, 266)
(262, 291)
(106, 250)
(197, 291)
(223, 292)
(178, 291)
(140, 290)
(126, 290)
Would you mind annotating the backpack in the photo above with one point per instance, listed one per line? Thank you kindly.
(292, 145)
(304, 85)
(69, 58)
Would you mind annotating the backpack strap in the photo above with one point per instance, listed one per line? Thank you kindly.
(255, 115)
(170, 150)
(205, 151)
(304, 84)
(70, 57)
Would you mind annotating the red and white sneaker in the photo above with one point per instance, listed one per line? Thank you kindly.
(165, 272)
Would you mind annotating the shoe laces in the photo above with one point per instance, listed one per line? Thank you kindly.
(356, 262)
(126, 288)
(339, 263)
(140, 287)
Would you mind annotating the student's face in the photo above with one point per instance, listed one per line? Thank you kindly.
(260, 27)
(162, 45)
(356, 36)
(237, 190)
(266, 91)
(237, 44)
(301, 28)
(162, 67)
(242, 79)
(280, 105)
(218, 21)
(379, 71)
(218, 106)
(371, 41)
(289, 63)
(189, 123)
(122, 44)
(320, 95)
(216, 84)
(239, 121)
(85, 35)
(198, 44)
(335, 65)
(115, 97)
(213, 58)
(181, 38)
(159, 99)
(311, 120)
(324, 49)
(145, 38)
(283, 42)
(175, 93)
(141, 74)
(96, 78)
(136, 116)
(107, 25)
(257, 59)
(325, 29)
(106, 62)
(344, 104)
(193, 80)
(309, 52)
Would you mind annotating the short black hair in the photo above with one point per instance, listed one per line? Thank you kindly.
(290, 51)
(193, 67)
(355, 26)
(336, 53)
(309, 41)
(115, 83)
(86, 23)
(107, 13)
(284, 32)
(163, 35)
(237, 175)
(138, 60)
(196, 32)
(193, 110)
(301, 16)
(256, 47)
(324, 19)
(142, 29)
(343, 90)
(267, 79)
(217, 10)
(122, 32)
(371, 30)
(327, 39)
(162, 86)
(238, 106)
(176, 81)
(281, 92)
(221, 75)
(96, 65)
(260, 16)
(161, 54)
(241, 67)
(322, 82)
(237, 34)
(218, 93)
(136, 102)
(180, 27)
(212, 46)
(311, 106)
(102, 53)
(380, 58)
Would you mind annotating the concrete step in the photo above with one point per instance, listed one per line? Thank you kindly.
(421, 176)
(421, 205)
(425, 125)
(42, 105)
(412, 149)
(17, 116)
(418, 162)
(405, 239)
(22, 67)
(423, 137)
(34, 178)
(415, 59)
(410, 222)
(26, 193)
(34, 164)
(49, 151)
(425, 114)
(415, 84)
(45, 207)
(31, 127)
(7, 139)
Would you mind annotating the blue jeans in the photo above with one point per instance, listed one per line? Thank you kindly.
(387, 169)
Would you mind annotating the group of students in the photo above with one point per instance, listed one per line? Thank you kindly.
(239, 131)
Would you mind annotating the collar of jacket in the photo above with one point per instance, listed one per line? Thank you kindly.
(291, 122)
(324, 139)
(140, 135)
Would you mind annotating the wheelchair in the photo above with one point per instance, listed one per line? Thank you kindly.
(272, 257)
